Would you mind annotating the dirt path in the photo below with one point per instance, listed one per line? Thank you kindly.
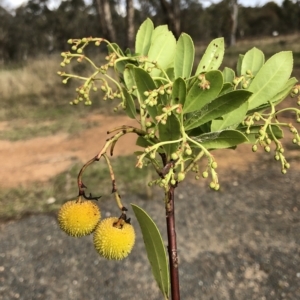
(39, 159)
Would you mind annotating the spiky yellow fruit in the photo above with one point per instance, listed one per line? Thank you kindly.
(113, 240)
(79, 218)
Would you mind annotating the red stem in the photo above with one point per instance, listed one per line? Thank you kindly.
(172, 244)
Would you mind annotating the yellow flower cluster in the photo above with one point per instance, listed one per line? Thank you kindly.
(113, 237)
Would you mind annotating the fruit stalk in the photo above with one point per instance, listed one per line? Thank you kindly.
(172, 244)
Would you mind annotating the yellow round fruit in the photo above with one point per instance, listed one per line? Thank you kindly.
(114, 242)
(79, 218)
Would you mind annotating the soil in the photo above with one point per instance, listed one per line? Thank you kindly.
(40, 159)
(240, 243)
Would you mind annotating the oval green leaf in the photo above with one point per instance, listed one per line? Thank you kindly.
(198, 97)
(145, 83)
(217, 108)
(179, 91)
(169, 132)
(129, 104)
(213, 56)
(222, 139)
(232, 119)
(271, 78)
(253, 60)
(228, 75)
(143, 37)
(239, 64)
(162, 51)
(156, 251)
(184, 56)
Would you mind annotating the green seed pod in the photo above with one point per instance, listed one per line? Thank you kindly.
(180, 176)
(152, 155)
(267, 149)
(212, 185)
(174, 156)
(268, 141)
(188, 151)
(214, 165)
(205, 174)
(254, 148)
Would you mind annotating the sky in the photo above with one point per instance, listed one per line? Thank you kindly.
(11, 4)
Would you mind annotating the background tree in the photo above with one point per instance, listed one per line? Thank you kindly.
(130, 23)
(105, 18)
(34, 29)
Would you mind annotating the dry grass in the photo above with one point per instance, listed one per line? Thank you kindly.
(36, 77)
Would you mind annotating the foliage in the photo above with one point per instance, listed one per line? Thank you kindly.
(184, 115)
(37, 28)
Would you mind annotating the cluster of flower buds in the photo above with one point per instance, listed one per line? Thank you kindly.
(204, 84)
(296, 93)
(243, 80)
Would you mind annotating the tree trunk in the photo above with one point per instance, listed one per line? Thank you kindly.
(130, 24)
(234, 21)
(104, 12)
(172, 12)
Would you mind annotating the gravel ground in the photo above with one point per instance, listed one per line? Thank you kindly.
(239, 243)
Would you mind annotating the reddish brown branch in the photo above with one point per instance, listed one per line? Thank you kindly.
(172, 244)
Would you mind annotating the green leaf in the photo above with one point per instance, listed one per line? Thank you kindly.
(142, 142)
(270, 78)
(129, 76)
(253, 61)
(129, 104)
(213, 56)
(217, 108)
(280, 96)
(184, 56)
(222, 139)
(254, 132)
(162, 50)
(227, 87)
(232, 119)
(228, 75)
(143, 37)
(285, 91)
(144, 82)
(155, 248)
(178, 91)
(161, 29)
(239, 65)
(198, 97)
(169, 132)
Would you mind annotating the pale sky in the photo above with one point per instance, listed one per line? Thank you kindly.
(15, 3)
